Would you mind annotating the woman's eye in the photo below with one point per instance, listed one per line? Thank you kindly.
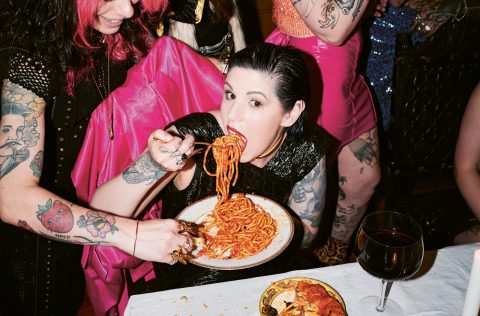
(229, 95)
(255, 103)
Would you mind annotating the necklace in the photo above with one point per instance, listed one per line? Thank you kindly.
(274, 147)
(465, 11)
(101, 83)
(105, 88)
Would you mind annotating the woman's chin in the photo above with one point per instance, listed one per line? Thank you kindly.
(245, 159)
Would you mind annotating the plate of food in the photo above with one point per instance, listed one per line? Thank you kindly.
(244, 231)
(301, 296)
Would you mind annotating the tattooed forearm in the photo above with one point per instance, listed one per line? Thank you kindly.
(145, 169)
(20, 109)
(308, 198)
(97, 223)
(80, 240)
(55, 216)
(36, 164)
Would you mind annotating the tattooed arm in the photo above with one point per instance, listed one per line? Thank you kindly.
(331, 20)
(308, 199)
(131, 191)
(25, 204)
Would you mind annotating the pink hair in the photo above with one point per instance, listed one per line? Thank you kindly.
(118, 48)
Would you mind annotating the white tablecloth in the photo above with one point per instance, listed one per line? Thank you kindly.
(437, 290)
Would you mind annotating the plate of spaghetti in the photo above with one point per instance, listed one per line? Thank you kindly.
(244, 231)
(301, 296)
(239, 230)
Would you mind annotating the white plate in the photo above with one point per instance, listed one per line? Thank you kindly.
(197, 211)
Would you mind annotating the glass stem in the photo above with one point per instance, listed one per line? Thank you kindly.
(386, 286)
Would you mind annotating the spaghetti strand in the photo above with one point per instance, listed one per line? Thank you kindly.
(237, 228)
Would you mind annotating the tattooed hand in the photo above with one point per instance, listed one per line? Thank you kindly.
(168, 151)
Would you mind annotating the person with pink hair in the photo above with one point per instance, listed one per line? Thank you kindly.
(328, 31)
(60, 59)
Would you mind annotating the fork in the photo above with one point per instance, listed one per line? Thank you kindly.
(194, 152)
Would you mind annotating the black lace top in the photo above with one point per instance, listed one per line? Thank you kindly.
(41, 276)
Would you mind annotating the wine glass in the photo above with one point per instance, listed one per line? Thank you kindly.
(389, 246)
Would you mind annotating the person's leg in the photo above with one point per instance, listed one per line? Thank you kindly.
(359, 174)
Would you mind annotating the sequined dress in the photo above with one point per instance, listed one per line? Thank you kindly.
(294, 160)
(41, 276)
(382, 34)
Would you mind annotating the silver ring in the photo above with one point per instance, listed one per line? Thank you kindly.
(180, 160)
(186, 245)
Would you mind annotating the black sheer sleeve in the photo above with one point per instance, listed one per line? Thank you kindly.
(30, 72)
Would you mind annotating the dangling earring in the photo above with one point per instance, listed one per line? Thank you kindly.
(274, 147)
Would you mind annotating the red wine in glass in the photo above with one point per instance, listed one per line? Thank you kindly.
(389, 246)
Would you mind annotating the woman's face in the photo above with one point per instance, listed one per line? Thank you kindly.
(110, 15)
(251, 109)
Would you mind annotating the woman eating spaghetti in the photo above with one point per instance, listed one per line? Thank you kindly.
(279, 154)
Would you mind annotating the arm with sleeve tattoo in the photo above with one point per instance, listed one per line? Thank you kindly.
(308, 199)
(140, 182)
(137, 185)
(25, 204)
(331, 20)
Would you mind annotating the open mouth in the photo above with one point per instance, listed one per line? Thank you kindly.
(112, 22)
(232, 130)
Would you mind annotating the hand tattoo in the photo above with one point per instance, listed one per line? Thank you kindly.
(145, 169)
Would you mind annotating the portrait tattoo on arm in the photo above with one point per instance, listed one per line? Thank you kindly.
(145, 169)
(20, 109)
(310, 194)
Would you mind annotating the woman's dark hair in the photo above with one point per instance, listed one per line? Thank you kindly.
(56, 30)
(224, 9)
(288, 67)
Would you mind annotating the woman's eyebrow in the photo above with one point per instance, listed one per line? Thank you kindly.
(229, 86)
(257, 92)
